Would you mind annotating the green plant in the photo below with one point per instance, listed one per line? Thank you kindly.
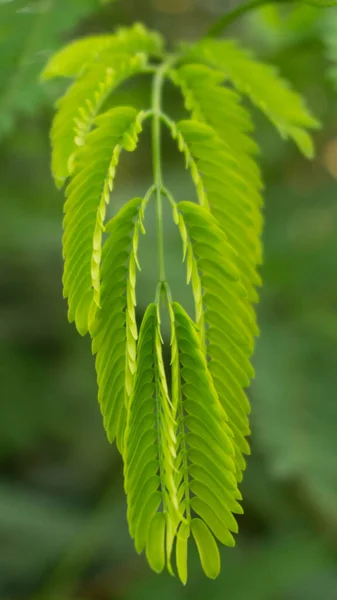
(184, 448)
(30, 31)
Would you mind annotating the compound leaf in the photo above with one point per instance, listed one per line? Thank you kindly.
(205, 441)
(114, 332)
(265, 88)
(73, 58)
(87, 196)
(184, 448)
(228, 192)
(150, 449)
(224, 317)
(79, 107)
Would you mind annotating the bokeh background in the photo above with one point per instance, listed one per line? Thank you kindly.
(63, 532)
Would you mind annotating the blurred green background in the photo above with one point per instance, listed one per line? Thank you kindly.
(63, 531)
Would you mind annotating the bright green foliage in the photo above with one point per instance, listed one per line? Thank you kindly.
(87, 196)
(72, 59)
(224, 317)
(226, 193)
(209, 101)
(262, 84)
(99, 64)
(183, 448)
(150, 449)
(206, 459)
(80, 106)
(114, 331)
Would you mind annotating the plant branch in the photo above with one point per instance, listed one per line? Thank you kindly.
(157, 171)
(169, 197)
(231, 16)
(158, 82)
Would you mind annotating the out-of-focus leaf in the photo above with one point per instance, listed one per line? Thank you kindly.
(275, 26)
(295, 421)
(30, 30)
(321, 3)
(329, 30)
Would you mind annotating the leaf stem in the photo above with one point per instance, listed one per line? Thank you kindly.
(158, 82)
(169, 197)
(231, 16)
(149, 193)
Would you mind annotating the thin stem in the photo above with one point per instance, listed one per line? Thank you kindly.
(158, 82)
(149, 193)
(169, 196)
(168, 122)
(236, 13)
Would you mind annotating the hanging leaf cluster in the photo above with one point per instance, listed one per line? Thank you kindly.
(183, 445)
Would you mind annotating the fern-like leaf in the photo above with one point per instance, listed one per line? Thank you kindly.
(209, 101)
(223, 316)
(233, 197)
(85, 207)
(150, 450)
(265, 88)
(205, 463)
(79, 107)
(115, 330)
(73, 58)
(183, 449)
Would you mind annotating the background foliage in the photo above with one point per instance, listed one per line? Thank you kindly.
(62, 513)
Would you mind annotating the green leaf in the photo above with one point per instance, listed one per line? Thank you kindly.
(183, 448)
(114, 331)
(150, 441)
(77, 110)
(30, 31)
(200, 448)
(220, 107)
(155, 545)
(224, 318)
(263, 85)
(181, 551)
(229, 192)
(87, 196)
(207, 548)
(73, 58)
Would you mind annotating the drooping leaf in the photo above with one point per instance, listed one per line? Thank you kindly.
(73, 58)
(150, 449)
(228, 192)
(223, 316)
(216, 105)
(265, 88)
(29, 32)
(205, 462)
(207, 547)
(87, 196)
(115, 329)
(79, 107)
(183, 449)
